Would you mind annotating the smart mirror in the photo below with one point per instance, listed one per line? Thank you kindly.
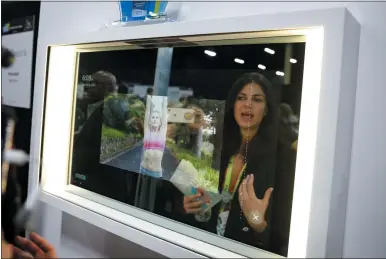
(217, 120)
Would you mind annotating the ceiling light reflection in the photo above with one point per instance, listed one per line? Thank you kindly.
(240, 61)
(210, 53)
(269, 51)
(262, 67)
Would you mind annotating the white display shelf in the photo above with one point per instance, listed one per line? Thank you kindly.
(324, 146)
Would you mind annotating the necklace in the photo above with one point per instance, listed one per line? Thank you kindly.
(243, 176)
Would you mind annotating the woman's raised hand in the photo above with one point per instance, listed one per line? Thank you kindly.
(254, 209)
(192, 204)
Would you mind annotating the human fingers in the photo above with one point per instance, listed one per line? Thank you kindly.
(193, 211)
(41, 242)
(193, 205)
(28, 245)
(20, 254)
(188, 199)
(267, 196)
(250, 188)
(200, 190)
(243, 192)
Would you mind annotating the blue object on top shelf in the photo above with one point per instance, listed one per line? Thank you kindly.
(141, 10)
(133, 10)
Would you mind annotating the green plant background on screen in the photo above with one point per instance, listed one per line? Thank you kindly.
(122, 126)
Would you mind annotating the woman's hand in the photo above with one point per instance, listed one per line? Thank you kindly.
(192, 204)
(37, 247)
(253, 208)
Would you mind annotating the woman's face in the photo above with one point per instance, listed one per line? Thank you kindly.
(250, 106)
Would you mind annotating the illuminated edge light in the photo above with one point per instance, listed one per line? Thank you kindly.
(301, 203)
(262, 67)
(61, 75)
(293, 61)
(279, 73)
(210, 53)
(269, 51)
(240, 61)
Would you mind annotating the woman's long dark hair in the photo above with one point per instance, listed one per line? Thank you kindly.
(262, 147)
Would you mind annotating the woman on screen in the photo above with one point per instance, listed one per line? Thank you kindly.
(248, 160)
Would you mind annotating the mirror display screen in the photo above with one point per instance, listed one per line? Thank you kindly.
(202, 135)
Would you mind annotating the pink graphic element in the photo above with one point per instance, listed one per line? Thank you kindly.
(154, 145)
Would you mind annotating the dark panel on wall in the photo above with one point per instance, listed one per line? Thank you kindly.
(13, 10)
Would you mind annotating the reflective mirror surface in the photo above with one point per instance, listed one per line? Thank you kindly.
(202, 135)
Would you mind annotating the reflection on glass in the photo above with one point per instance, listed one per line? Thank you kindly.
(217, 153)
